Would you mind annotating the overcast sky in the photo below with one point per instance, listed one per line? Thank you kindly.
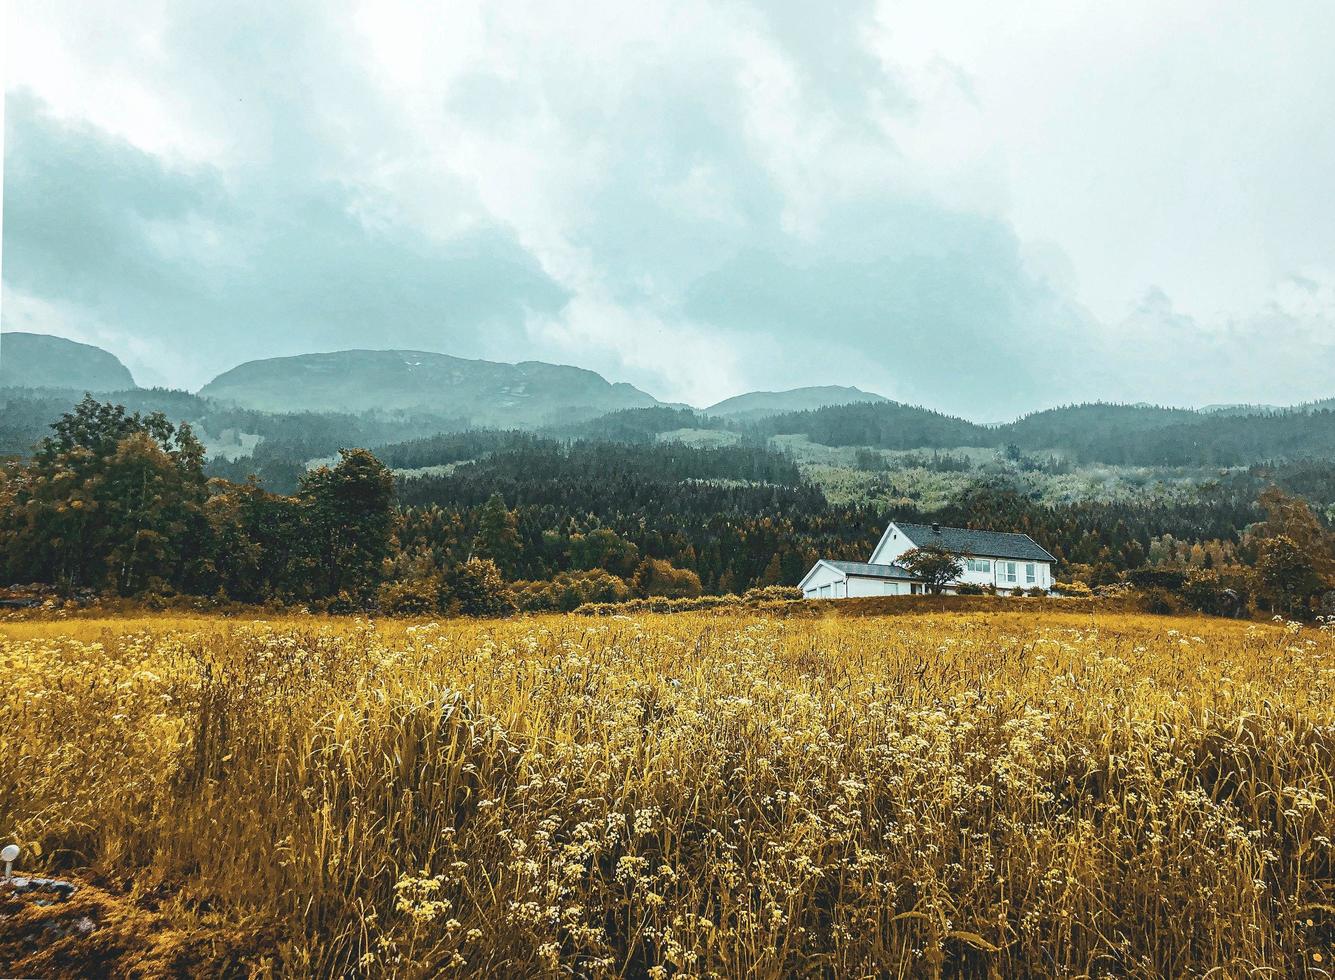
(946, 203)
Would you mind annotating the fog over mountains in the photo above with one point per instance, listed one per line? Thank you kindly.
(475, 392)
(484, 392)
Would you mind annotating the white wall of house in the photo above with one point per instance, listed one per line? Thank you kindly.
(1006, 573)
(824, 582)
(893, 543)
(860, 586)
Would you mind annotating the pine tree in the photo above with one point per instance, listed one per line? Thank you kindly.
(351, 518)
(497, 535)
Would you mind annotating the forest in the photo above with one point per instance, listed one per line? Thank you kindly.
(125, 502)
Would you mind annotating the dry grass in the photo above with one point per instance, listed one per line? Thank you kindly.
(978, 793)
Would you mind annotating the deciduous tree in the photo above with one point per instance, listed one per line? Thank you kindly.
(936, 567)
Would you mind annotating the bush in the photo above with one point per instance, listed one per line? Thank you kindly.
(1074, 589)
(1218, 593)
(968, 588)
(1037, 592)
(1204, 592)
(1153, 577)
(1160, 602)
(340, 604)
(656, 577)
(569, 590)
(771, 593)
(760, 598)
(477, 588)
(409, 597)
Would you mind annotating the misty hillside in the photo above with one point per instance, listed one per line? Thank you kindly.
(758, 404)
(1057, 427)
(34, 360)
(274, 416)
(888, 425)
(1143, 435)
(482, 392)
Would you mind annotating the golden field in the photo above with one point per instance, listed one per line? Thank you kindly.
(983, 794)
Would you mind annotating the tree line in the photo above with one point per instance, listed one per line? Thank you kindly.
(120, 501)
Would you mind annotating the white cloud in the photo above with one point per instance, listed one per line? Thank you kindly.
(959, 187)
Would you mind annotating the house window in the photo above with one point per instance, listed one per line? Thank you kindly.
(825, 591)
(1007, 571)
(977, 565)
(1031, 573)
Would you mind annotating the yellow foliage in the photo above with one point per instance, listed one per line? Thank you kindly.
(703, 794)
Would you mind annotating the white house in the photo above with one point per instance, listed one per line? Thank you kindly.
(991, 558)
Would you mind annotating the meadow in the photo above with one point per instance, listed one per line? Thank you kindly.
(1024, 793)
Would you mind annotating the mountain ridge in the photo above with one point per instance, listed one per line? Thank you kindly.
(758, 404)
(528, 393)
(485, 392)
(39, 360)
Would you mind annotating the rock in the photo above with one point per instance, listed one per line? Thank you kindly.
(60, 889)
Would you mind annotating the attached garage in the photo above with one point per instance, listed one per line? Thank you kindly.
(850, 579)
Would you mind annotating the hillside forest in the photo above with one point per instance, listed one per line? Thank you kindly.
(133, 496)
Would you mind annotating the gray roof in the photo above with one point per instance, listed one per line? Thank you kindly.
(870, 571)
(963, 541)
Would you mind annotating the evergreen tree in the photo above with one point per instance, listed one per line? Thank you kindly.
(350, 514)
(477, 588)
(497, 535)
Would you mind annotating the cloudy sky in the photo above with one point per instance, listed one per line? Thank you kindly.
(946, 203)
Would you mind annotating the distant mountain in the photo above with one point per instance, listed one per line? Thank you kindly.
(1057, 428)
(758, 404)
(485, 393)
(1239, 408)
(1247, 409)
(36, 360)
(884, 424)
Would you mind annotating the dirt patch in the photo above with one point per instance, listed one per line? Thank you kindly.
(97, 933)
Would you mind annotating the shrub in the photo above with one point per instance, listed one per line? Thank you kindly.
(409, 597)
(657, 577)
(1153, 577)
(340, 604)
(760, 598)
(771, 593)
(569, 590)
(1205, 592)
(968, 588)
(477, 589)
(1037, 592)
(1161, 602)
(1074, 589)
